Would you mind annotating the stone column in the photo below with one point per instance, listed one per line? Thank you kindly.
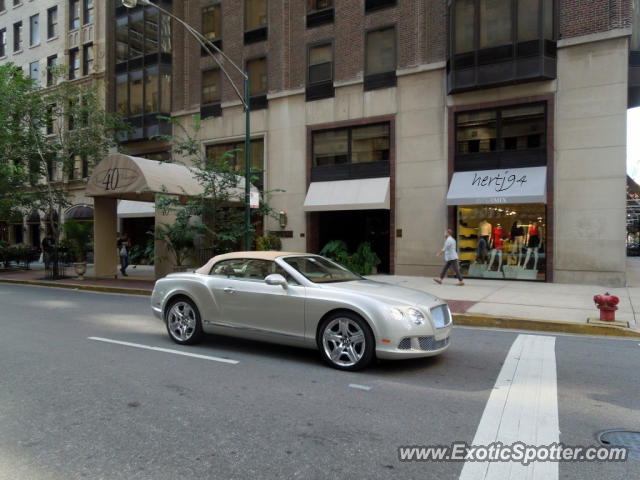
(105, 236)
(163, 259)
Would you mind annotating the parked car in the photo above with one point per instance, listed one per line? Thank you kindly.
(303, 300)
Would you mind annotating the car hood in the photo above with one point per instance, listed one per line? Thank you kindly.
(385, 292)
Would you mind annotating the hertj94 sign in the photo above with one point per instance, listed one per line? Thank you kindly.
(114, 179)
(516, 185)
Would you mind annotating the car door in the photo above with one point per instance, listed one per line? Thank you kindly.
(247, 301)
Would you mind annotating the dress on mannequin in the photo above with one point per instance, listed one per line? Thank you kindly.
(498, 246)
(533, 246)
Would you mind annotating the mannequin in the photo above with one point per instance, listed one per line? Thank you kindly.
(497, 246)
(484, 232)
(533, 245)
(517, 238)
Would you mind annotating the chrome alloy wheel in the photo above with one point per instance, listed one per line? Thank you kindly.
(344, 342)
(181, 321)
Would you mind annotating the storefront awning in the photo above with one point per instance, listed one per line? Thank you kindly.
(131, 209)
(364, 194)
(491, 187)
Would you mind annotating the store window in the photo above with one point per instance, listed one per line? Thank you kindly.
(502, 241)
(508, 137)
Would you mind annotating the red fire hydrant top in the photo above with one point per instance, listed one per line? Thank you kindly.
(607, 304)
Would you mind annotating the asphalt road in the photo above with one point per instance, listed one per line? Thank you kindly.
(71, 407)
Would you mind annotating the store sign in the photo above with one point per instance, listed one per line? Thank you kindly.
(490, 187)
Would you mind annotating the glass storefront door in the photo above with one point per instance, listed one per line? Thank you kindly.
(502, 241)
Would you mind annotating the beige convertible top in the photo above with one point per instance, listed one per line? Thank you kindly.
(262, 255)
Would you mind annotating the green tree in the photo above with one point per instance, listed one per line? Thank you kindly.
(217, 214)
(49, 130)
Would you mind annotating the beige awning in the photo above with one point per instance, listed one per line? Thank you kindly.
(133, 178)
(363, 194)
(131, 209)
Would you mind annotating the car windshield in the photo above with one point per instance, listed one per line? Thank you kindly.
(321, 270)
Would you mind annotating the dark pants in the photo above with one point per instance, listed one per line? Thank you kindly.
(483, 249)
(124, 263)
(451, 264)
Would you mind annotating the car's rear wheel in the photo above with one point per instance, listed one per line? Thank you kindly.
(346, 342)
(182, 318)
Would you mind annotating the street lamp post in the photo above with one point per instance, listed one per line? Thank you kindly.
(208, 46)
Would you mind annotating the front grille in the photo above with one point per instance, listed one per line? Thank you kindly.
(405, 344)
(430, 343)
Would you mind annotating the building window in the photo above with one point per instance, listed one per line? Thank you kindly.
(255, 20)
(122, 95)
(2, 6)
(258, 83)
(211, 22)
(51, 120)
(320, 72)
(3, 42)
(136, 92)
(74, 64)
(34, 30)
(319, 12)
(380, 59)
(509, 137)
(372, 5)
(52, 62)
(122, 39)
(87, 11)
(354, 152)
(17, 36)
(87, 59)
(500, 41)
(233, 153)
(211, 86)
(151, 90)
(74, 14)
(34, 73)
(52, 22)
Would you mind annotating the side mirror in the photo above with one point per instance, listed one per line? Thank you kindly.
(276, 279)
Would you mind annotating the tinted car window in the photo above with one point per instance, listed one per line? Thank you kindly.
(321, 270)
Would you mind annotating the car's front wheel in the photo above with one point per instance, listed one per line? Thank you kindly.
(183, 322)
(346, 342)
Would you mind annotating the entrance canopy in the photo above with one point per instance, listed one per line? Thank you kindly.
(490, 187)
(364, 194)
(133, 178)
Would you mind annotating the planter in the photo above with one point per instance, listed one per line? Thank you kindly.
(80, 268)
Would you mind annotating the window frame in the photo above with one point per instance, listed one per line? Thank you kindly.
(202, 74)
(34, 20)
(52, 27)
(50, 78)
(378, 80)
(501, 158)
(88, 66)
(88, 12)
(3, 42)
(258, 101)
(74, 5)
(255, 34)
(74, 55)
(322, 89)
(376, 5)
(17, 36)
(37, 70)
(319, 16)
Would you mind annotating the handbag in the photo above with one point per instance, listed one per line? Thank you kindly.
(123, 251)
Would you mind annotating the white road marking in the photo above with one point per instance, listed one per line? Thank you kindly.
(359, 387)
(523, 406)
(165, 350)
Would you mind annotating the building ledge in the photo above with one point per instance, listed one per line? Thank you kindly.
(594, 37)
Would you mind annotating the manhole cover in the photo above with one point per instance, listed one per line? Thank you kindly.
(622, 438)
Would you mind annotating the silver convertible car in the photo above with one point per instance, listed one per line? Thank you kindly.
(303, 300)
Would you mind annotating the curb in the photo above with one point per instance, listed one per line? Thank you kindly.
(479, 320)
(459, 319)
(75, 286)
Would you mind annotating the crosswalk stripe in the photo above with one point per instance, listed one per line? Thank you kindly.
(522, 407)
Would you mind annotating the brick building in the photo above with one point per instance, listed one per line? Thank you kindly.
(390, 120)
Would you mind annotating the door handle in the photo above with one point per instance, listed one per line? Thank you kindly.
(229, 290)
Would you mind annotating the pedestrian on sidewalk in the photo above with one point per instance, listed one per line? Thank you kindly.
(451, 258)
(124, 245)
(48, 245)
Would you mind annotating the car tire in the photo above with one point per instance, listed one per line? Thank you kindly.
(346, 341)
(182, 319)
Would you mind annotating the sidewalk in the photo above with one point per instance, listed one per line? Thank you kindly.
(492, 303)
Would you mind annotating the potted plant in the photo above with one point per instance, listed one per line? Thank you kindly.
(79, 234)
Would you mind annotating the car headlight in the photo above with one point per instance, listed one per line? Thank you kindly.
(415, 316)
(441, 316)
(396, 314)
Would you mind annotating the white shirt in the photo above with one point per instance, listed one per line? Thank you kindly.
(450, 252)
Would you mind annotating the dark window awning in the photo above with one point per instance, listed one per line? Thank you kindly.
(79, 212)
(491, 187)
